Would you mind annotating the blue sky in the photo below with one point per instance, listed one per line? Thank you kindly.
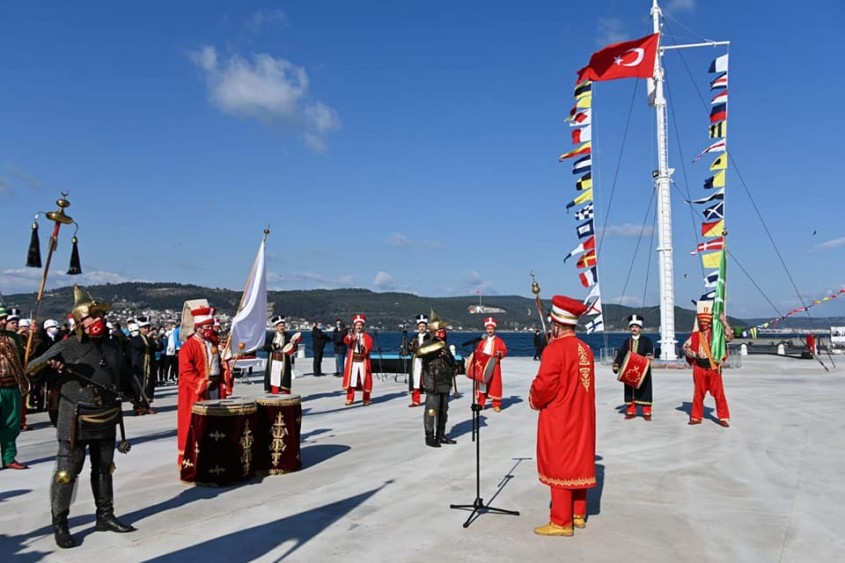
(411, 146)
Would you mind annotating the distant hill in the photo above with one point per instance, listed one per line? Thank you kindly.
(385, 310)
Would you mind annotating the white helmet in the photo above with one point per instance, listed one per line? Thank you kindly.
(51, 323)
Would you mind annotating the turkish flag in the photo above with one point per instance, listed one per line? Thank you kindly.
(629, 59)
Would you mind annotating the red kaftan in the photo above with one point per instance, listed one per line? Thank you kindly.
(564, 392)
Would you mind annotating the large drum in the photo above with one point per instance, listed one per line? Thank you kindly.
(633, 369)
(277, 437)
(480, 367)
(220, 444)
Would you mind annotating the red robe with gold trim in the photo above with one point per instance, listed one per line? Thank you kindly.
(194, 368)
(564, 392)
(494, 386)
(367, 341)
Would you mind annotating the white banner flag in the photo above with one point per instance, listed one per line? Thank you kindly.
(249, 324)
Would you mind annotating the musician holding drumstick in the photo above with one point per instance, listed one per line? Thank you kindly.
(493, 346)
(640, 344)
(358, 371)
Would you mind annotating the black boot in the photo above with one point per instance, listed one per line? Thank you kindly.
(103, 498)
(445, 440)
(61, 532)
(431, 441)
(109, 523)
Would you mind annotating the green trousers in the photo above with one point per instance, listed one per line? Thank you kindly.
(10, 422)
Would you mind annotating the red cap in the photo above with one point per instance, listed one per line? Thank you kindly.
(359, 319)
(566, 310)
(490, 321)
(203, 315)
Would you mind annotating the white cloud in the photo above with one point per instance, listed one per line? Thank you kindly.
(398, 239)
(384, 281)
(679, 5)
(475, 284)
(306, 280)
(611, 30)
(269, 89)
(263, 18)
(835, 243)
(402, 240)
(628, 230)
(26, 280)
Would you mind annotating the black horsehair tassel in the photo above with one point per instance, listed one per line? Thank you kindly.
(33, 257)
(75, 266)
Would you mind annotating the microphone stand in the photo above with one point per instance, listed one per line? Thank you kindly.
(378, 349)
(478, 507)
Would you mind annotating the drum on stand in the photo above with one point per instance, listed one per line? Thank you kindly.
(480, 367)
(277, 438)
(220, 445)
(633, 369)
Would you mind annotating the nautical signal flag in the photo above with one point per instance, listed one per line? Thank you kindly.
(585, 229)
(585, 212)
(713, 228)
(720, 98)
(720, 163)
(583, 149)
(712, 259)
(628, 59)
(718, 146)
(589, 277)
(720, 194)
(715, 244)
(583, 88)
(582, 165)
(719, 82)
(718, 130)
(584, 101)
(711, 279)
(719, 112)
(588, 260)
(589, 244)
(583, 198)
(709, 296)
(719, 64)
(717, 180)
(595, 325)
(715, 211)
(582, 117)
(581, 134)
(585, 182)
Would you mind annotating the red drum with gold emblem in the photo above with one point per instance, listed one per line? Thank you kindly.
(480, 367)
(277, 438)
(220, 445)
(633, 369)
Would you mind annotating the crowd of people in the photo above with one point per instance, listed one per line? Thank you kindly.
(83, 372)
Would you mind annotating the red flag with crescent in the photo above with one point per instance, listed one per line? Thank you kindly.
(629, 59)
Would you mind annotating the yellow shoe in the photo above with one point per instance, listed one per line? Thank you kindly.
(552, 529)
(579, 521)
(347, 403)
(497, 409)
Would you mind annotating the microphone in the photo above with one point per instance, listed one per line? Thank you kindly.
(473, 341)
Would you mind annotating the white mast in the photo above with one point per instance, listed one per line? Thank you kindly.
(662, 181)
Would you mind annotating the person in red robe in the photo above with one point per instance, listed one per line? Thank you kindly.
(358, 372)
(200, 372)
(493, 346)
(564, 392)
(707, 370)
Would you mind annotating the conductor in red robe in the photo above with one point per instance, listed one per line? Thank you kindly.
(200, 372)
(564, 392)
(358, 371)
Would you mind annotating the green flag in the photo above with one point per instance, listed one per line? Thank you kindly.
(718, 347)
